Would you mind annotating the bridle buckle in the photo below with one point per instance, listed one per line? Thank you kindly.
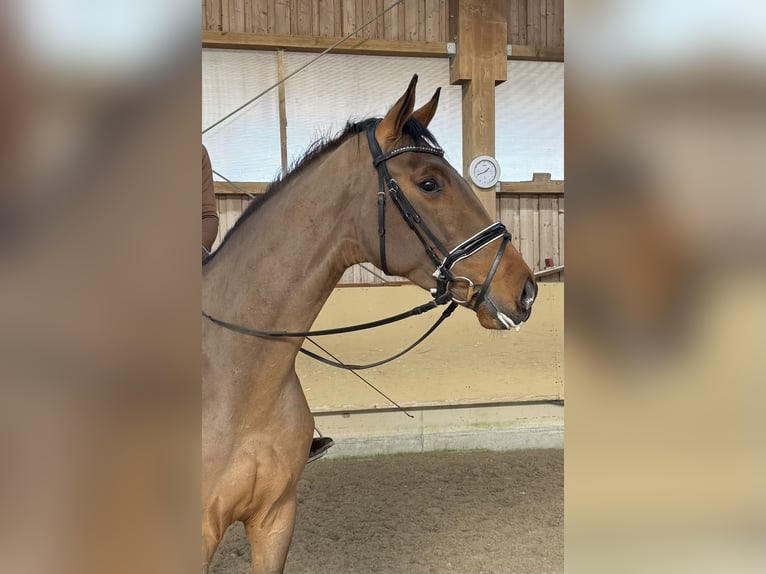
(471, 289)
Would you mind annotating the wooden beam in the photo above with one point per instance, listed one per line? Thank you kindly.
(541, 184)
(282, 109)
(525, 52)
(359, 46)
(363, 46)
(481, 33)
(243, 187)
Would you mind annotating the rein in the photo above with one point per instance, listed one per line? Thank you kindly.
(443, 273)
(336, 331)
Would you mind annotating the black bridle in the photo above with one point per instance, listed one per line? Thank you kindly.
(430, 242)
(443, 274)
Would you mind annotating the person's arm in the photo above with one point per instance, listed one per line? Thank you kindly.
(209, 212)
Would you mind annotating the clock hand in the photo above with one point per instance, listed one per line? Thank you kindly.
(482, 172)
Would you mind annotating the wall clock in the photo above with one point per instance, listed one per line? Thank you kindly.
(484, 171)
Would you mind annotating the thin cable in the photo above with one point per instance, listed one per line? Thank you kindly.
(234, 185)
(371, 272)
(368, 383)
(291, 74)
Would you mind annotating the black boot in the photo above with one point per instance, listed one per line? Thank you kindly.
(319, 447)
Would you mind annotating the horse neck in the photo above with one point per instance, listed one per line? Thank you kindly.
(279, 267)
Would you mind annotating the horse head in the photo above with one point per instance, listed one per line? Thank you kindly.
(432, 228)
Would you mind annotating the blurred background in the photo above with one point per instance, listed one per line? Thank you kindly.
(665, 140)
(99, 258)
(665, 137)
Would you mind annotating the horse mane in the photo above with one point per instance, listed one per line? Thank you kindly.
(417, 132)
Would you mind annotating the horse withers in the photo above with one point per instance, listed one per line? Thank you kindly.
(380, 192)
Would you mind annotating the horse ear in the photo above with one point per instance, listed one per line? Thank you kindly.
(426, 113)
(390, 127)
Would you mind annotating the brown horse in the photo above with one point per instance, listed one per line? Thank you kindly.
(277, 267)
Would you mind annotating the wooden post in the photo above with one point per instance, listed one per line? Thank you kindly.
(282, 109)
(480, 31)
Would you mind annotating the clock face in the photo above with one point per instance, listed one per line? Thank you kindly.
(484, 171)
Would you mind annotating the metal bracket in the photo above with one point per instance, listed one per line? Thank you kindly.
(451, 48)
(509, 49)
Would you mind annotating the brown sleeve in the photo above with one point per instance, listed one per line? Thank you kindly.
(209, 213)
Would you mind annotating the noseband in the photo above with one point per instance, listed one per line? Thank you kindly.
(443, 273)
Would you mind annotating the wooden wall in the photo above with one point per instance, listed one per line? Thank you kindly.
(413, 20)
(533, 211)
(538, 24)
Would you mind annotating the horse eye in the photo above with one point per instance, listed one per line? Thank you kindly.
(428, 186)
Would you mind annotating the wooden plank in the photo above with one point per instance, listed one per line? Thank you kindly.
(537, 262)
(360, 46)
(401, 30)
(515, 221)
(411, 20)
(325, 18)
(213, 15)
(304, 18)
(528, 230)
(549, 238)
(561, 234)
(224, 188)
(293, 20)
(558, 25)
(550, 24)
(349, 17)
(513, 22)
(270, 19)
(247, 6)
(260, 14)
(533, 23)
(225, 21)
(282, 109)
(539, 184)
(236, 15)
(281, 18)
(522, 52)
(338, 9)
(246, 41)
(369, 10)
(431, 21)
(445, 18)
(391, 23)
(226, 16)
(523, 22)
(315, 20)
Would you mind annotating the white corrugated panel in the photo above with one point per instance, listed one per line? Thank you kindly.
(246, 146)
(529, 129)
(338, 88)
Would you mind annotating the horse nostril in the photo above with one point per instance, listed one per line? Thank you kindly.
(528, 295)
